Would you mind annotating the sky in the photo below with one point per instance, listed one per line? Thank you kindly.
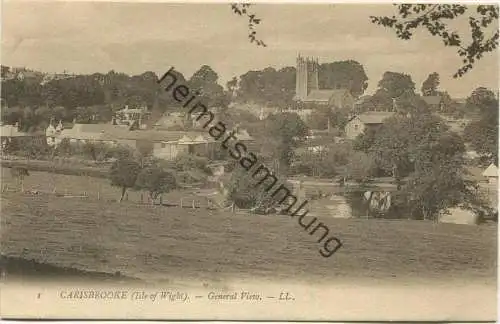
(89, 37)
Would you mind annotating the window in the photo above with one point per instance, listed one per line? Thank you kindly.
(163, 145)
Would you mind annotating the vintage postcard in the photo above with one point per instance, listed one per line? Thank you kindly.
(249, 161)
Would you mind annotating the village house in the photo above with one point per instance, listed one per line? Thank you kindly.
(129, 116)
(11, 135)
(491, 173)
(55, 76)
(163, 144)
(358, 124)
(304, 113)
(52, 134)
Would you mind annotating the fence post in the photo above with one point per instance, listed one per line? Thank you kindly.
(194, 205)
(98, 195)
(181, 204)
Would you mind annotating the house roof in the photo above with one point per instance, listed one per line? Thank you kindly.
(373, 117)
(110, 132)
(11, 131)
(491, 171)
(326, 94)
(432, 100)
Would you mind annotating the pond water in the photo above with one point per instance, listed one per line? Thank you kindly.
(351, 204)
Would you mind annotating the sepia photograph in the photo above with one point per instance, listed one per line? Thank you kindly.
(249, 161)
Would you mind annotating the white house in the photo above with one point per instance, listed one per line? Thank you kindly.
(52, 134)
(10, 133)
(491, 173)
(360, 123)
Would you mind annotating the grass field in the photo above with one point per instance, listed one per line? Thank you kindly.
(169, 244)
(69, 184)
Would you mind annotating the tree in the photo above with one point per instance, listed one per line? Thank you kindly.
(92, 150)
(396, 91)
(483, 134)
(328, 163)
(422, 149)
(430, 85)
(322, 116)
(365, 140)
(482, 100)
(204, 81)
(242, 190)
(360, 167)
(399, 144)
(287, 131)
(438, 186)
(319, 118)
(268, 87)
(396, 84)
(343, 75)
(155, 180)
(123, 174)
(434, 17)
(189, 162)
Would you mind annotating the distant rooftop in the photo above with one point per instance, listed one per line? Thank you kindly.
(374, 117)
(491, 171)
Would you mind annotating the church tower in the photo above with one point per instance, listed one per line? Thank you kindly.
(306, 77)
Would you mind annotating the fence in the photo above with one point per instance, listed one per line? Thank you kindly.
(183, 202)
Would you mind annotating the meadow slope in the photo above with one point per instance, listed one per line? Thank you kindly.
(168, 244)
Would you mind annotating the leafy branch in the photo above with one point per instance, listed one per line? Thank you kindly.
(241, 9)
(434, 18)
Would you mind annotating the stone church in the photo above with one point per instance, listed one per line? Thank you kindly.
(307, 87)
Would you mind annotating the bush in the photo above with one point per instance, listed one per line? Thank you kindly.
(155, 180)
(123, 174)
(188, 162)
